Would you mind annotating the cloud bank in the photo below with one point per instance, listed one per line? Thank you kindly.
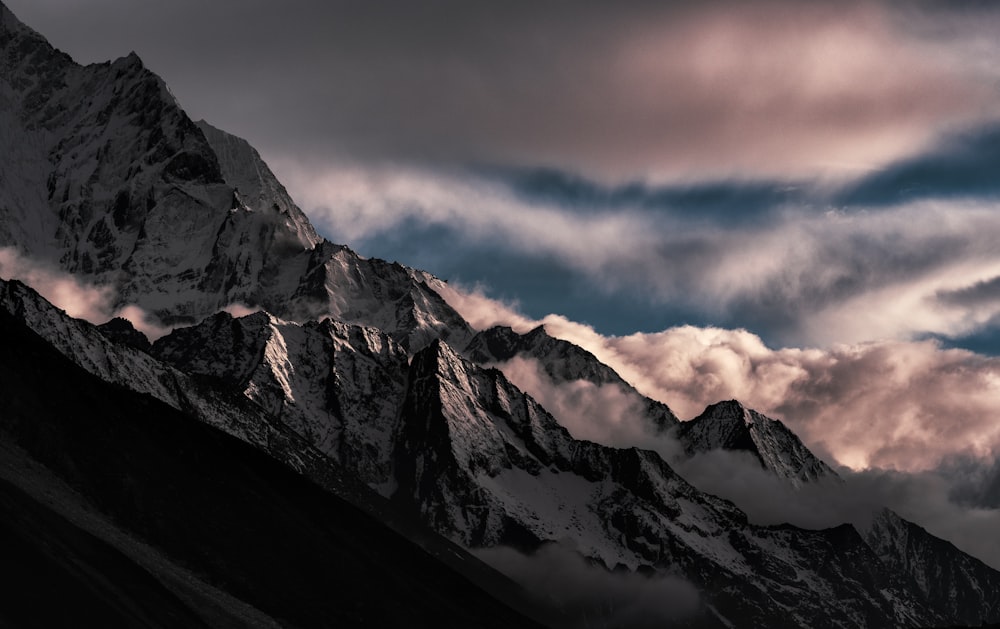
(900, 405)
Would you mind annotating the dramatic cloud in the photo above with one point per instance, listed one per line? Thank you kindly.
(805, 275)
(378, 118)
(900, 405)
(608, 413)
(631, 90)
(586, 595)
(925, 498)
(894, 404)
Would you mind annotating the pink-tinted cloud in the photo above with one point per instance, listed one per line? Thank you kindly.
(903, 405)
(79, 299)
(894, 404)
(240, 310)
(606, 413)
(632, 90)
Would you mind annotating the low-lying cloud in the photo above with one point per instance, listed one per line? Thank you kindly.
(903, 405)
(926, 498)
(582, 594)
(894, 404)
(77, 298)
(604, 413)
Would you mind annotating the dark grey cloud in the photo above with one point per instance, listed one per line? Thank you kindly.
(634, 89)
(961, 166)
(584, 594)
(984, 292)
(732, 203)
(931, 499)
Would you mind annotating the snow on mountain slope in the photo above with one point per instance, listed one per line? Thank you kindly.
(368, 291)
(338, 385)
(137, 371)
(731, 426)
(255, 184)
(106, 177)
(565, 363)
(960, 587)
(486, 465)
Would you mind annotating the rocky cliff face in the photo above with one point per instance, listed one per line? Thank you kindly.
(731, 426)
(106, 177)
(959, 587)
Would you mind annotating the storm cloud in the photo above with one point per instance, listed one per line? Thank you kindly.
(638, 89)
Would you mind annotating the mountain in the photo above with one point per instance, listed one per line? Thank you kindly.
(144, 516)
(731, 426)
(562, 362)
(340, 386)
(110, 180)
(960, 587)
(343, 454)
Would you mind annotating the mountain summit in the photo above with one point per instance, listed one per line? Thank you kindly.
(106, 177)
(731, 426)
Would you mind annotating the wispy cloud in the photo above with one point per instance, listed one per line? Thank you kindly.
(76, 297)
(809, 273)
(926, 498)
(606, 413)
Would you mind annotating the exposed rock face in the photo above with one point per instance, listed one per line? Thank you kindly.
(957, 586)
(563, 362)
(106, 177)
(731, 426)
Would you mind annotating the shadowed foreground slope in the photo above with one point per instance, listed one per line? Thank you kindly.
(241, 522)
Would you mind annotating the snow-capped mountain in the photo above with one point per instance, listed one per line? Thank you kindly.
(495, 468)
(731, 426)
(356, 374)
(119, 510)
(106, 177)
(339, 385)
(562, 362)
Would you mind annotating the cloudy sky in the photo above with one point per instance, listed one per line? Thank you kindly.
(816, 173)
(795, 204)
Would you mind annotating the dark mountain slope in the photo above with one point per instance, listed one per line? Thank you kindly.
(48, 559)
(217, 506)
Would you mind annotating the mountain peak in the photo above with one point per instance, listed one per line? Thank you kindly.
(257, 186)
(131, 61)
(10, 23)
(731, 410)
(729, 425)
